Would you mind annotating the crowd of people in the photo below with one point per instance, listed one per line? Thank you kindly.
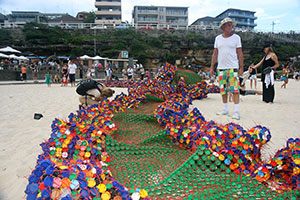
(65, 72)
(135, 72)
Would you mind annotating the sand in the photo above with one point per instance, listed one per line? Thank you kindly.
(21, 134)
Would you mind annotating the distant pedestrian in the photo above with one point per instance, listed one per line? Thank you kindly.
(285, 77)
(64, 81)
(48, 78)
(24, 72)
(72, 72)
(124, 74)
(228, 52)
(253, 76)
(142, 71)
(34, 68)
(147, 74)
(108, 74)
(64, 71)
(88, 74)
(93, 71)
(269, 63)
(81, 71)
(130, 72)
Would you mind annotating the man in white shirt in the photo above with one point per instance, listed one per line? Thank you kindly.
(72, 72)
(228, 51)
(130, 72)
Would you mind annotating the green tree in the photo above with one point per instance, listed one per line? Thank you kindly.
(5, 35)
(90, 18)
(172, 57)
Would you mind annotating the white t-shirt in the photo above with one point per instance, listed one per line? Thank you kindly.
(130, 71)
(227, 55)
(108, 72)
(72, 68)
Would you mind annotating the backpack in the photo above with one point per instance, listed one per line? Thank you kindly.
(85, 85)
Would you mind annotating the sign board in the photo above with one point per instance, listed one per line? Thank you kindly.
(124, 54)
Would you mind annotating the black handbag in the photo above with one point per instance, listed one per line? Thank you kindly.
(267, 70)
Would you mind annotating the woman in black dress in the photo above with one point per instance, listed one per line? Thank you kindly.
(269, 60)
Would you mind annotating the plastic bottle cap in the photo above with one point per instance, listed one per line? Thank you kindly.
(91, 183)
(33, 188)
(102, 188)
(105, 196)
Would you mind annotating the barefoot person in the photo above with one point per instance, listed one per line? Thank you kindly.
(253, 76)
(285, 77)
(72, 72)
(270, 61)
(228, 52)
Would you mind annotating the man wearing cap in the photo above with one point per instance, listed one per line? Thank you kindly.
(228, 51)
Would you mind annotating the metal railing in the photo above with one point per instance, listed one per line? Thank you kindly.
(280, 34)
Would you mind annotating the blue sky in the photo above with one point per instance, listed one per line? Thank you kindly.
(285, 13)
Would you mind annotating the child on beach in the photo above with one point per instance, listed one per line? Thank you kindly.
(88, 74)
(64, 81)
(48, 78)
(285, 77)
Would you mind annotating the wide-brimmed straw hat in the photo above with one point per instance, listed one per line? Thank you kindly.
(226, 20)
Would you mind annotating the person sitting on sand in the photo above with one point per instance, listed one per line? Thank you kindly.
(243, 90)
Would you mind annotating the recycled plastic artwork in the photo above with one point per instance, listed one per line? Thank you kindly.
(146, 145)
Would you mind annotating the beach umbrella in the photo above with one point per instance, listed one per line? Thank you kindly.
(9, 50)
(22, 58)
(98, 58)
(3, 55)
(85, 57)
(13, 56)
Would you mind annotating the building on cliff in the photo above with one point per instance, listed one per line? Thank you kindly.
(22, 17)
(206, 23)
(160, 17)
(244, 19)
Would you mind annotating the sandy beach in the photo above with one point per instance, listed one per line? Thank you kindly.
(21, 134)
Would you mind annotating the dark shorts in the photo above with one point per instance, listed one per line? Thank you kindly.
(24, 76)
(72, 78)
(247, 92)
(250, 92)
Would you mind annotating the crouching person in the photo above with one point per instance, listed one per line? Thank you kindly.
(91, 92)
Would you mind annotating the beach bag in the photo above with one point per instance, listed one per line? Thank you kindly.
(85, 85)
(267, 70)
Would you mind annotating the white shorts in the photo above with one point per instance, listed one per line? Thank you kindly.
(253, 76)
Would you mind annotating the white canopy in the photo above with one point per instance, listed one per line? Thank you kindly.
(85, 57)
(9, 49)
(22, 58)
(98, 58)
(3, 55)
(13, 56)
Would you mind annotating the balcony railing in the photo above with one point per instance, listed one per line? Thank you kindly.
(19, 25)
(246, 23)
(147, 11)
(107, 3)
(107, 12)
(242, 16)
